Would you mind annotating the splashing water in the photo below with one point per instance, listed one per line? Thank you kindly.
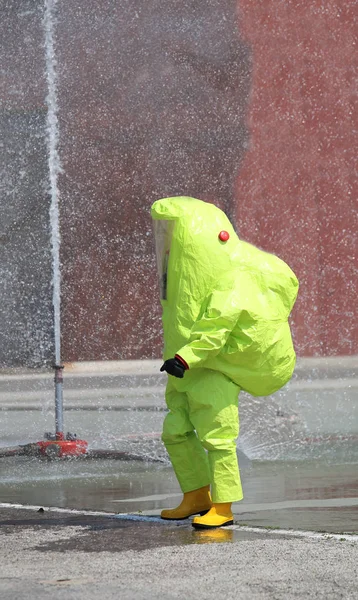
(54, 166)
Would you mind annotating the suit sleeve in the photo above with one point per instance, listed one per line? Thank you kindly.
(210, 332)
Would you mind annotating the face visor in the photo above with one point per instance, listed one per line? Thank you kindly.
(163, 233)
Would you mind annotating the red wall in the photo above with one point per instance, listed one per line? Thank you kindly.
(295, 190)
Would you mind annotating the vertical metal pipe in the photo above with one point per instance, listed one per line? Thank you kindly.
(59, 401)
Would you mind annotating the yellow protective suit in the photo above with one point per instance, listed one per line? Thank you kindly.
(225, 313)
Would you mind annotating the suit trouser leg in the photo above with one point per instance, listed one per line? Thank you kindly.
(213, 411)
(207, 402)
(187, 455)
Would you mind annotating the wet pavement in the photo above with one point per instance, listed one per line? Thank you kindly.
(299, 468)
(100, 533)
(305, 495)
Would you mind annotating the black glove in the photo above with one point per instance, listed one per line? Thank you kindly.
(174, 367)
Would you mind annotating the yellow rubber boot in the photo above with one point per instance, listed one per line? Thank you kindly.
(218, 516)
(197, 501)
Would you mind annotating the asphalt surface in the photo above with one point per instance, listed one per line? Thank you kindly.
(50, 554)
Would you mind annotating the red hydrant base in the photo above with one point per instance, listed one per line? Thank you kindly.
(60, 448)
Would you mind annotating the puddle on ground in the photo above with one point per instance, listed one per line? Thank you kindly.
(99, 534)
(288, 494)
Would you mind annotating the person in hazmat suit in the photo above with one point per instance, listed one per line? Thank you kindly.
(225, 316)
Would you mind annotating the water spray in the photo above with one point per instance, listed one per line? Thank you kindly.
(56, 445)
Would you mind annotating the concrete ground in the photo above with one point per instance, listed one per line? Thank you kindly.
(57, 555)
(295, 533)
